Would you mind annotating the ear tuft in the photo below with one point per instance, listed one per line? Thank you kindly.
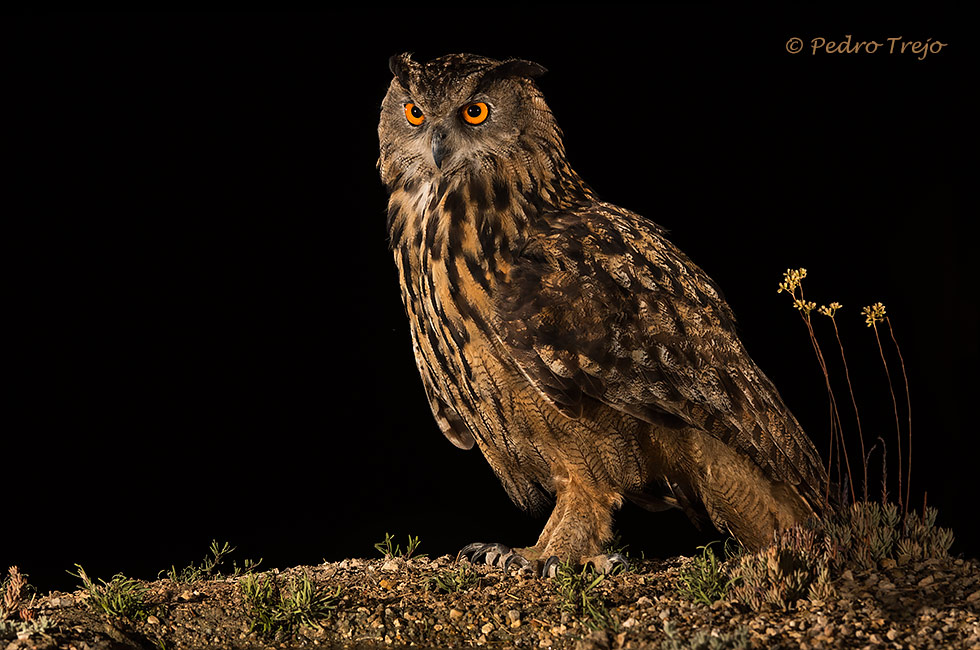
(519, 68)
(510, 69)
(402, 66)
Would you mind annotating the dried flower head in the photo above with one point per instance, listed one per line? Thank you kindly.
(804, 306)
(873, 314)
(829, 310)
(791, 280)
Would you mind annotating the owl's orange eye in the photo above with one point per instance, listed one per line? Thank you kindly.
(476, 113)
(414, 114)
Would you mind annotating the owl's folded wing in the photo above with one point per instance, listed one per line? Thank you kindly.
(600, 305)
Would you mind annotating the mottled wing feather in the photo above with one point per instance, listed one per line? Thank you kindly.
(600, 304)
(448, 420)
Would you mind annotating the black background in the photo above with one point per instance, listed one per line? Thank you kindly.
(204, 332)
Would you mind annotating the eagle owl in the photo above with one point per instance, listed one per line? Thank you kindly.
(584, 354)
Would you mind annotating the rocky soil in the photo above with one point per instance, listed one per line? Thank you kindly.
(396, 602)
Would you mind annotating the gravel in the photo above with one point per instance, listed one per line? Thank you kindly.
(393, 602)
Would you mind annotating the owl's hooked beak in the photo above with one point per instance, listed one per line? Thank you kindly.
(439, 147)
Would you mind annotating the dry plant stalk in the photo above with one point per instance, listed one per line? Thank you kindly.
(792, 284)
(874, 314)
(14, 594)
(908, 401)
(831, 311)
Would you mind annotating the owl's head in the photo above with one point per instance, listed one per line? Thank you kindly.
(460, 114)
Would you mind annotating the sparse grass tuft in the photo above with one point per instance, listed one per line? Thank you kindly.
(454, 580)
(705, 581)
(276, 608)
(389, 549)
(580, 596)
(121, 596)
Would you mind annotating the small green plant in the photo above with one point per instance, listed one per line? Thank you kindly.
(704, 640)
(580, 596)
(704, 580)
(121, 596)
(460, 578)
(208, 569)
(27, 627)
(389, 549)
(276, 608)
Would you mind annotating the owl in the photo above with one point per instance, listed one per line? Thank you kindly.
(567, 338)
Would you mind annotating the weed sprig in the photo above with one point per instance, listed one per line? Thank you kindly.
(389, 549)
(208, 568)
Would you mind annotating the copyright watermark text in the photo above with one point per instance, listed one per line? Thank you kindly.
(899, 45)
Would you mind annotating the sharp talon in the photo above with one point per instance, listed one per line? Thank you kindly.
(492, 554)
(473, 552)
(609, 564)
(496, 552)
(514, 558)
(550, 568)
(617, 561)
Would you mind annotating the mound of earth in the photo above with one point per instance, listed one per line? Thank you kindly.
(423, 602)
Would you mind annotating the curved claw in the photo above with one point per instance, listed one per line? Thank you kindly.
(618, 561)
(473, 552)
(515, 558)
(497, 555)
(550, 568)
(610, 564)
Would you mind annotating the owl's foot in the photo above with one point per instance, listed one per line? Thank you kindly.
(604, 564)
(506, 558)
(496, 555)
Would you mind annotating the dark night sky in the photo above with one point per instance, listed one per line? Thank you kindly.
(205, 337)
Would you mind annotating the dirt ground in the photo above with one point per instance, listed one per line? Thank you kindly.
(435, 602)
